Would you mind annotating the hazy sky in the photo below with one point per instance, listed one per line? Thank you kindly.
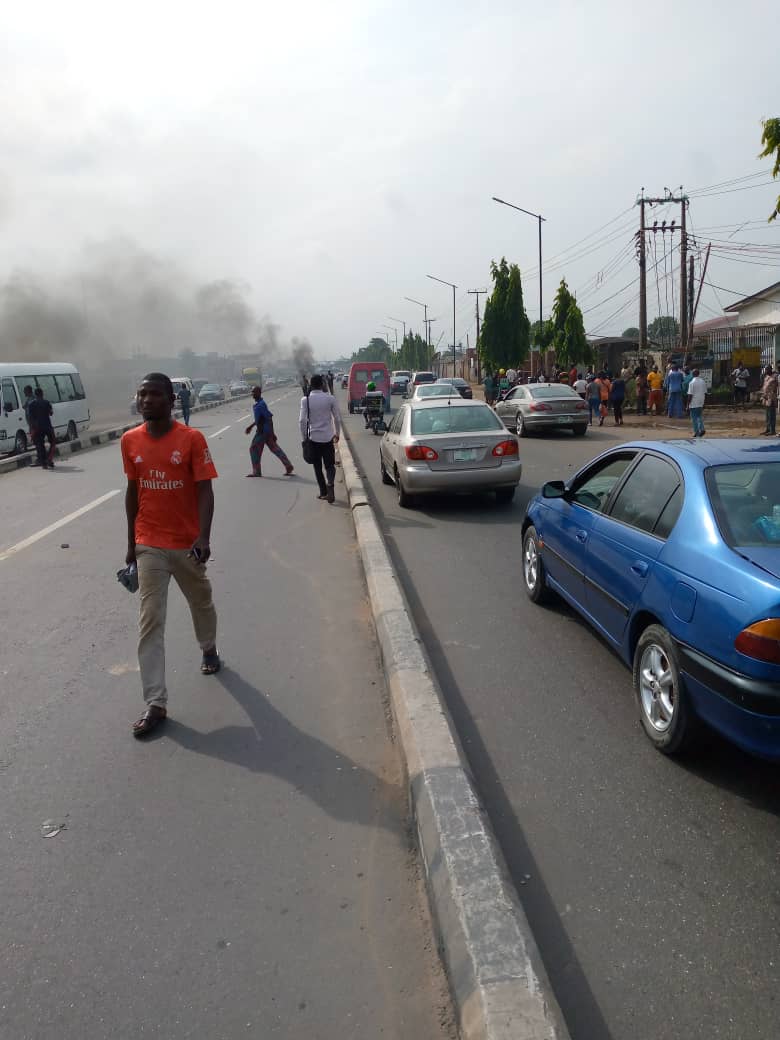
(332, 154)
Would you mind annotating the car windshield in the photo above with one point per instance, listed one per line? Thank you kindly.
(557, 390)
(210, 386)
(746, 502)
(470, 419)
(435, 390)
(425, 377)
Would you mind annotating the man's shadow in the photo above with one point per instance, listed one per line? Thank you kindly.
(274, 745)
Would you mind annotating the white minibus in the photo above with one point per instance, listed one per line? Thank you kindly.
(62, 387)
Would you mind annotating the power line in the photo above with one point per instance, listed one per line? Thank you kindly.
(733, 180)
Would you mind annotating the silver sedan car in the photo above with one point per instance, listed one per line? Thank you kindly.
(543, 406)
(425, 390)
(449, 445)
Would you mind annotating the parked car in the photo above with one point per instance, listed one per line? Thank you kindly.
(211, 392)
(239, 387)
(449, 445)
(399, 381)
(671, 551)
(197, 385)
(417, 379)
(543, 406)
(463, 388)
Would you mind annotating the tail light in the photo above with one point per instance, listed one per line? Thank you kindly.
(420, 453)
(506, 448)
(581, 407)
(540, 406)
(761, 641)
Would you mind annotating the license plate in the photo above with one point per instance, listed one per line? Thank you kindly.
(563, 418)
(464, 455)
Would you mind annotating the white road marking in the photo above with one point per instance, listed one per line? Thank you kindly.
(55, 526)
(242, 417)
(211, 435)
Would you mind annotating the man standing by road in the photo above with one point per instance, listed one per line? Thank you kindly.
(655, 382)
(185, 397)
(673, 387)
(320, 416)
(769, 389)
(697, 391)
(741, 379)
(39, 412)
(264, 435)
(170, 505)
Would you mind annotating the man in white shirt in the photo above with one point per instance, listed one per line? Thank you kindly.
(581, 387)
(697, 391)
(320, 416)
(511, 374)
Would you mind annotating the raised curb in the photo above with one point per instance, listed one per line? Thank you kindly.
(498, 983)
(95, 440)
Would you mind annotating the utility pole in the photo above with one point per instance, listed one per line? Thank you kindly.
(642, 202)
(690, 302)
(642, 279)
(683, 276)
(478, 293)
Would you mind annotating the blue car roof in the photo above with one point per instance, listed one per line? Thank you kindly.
(722, 452)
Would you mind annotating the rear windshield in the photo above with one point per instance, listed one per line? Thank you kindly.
(425, 377)
(746, 502)
(436, 390)
(375, 376)
(558, 390)
(470, 419)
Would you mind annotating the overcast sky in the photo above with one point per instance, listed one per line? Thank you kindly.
(331, 154)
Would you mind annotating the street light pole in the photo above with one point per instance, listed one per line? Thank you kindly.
(539, 218)
(453, 287)
(425, 319)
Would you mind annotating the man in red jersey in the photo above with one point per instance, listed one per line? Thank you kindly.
(170, 505)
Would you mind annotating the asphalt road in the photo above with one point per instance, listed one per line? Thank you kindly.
(651, 884)
(248, 872)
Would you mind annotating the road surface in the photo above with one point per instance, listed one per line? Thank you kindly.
(249, 871)
(650, 883)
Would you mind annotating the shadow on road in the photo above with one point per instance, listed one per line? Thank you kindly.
(274, 745)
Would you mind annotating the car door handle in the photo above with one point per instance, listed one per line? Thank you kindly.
(640, 568)
(581, 536)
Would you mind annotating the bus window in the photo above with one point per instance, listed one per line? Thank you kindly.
(49, 386)
(79, 386)
(65, 388)
(10, 402)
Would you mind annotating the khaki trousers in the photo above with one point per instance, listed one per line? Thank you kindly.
(155, 568)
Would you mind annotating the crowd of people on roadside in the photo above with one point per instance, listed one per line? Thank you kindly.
(677, 392)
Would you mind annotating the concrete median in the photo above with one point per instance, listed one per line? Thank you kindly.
(497, 979)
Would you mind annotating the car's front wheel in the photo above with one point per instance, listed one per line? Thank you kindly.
(534, 575)
(520, 426)
(664, 710)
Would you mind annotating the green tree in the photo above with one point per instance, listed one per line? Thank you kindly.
(569, 340)
(770, 139)
(631, 333)
(377, 350)
(414, 353)
(664, 329)
(504, 339)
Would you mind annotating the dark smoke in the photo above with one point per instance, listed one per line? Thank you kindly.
(124, 301)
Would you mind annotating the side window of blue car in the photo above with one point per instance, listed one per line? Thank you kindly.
(594, 487)
(651, 497)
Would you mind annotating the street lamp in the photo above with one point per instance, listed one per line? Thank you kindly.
(399, 321)
(540, 218)
(425, 319)
(395, 333)
(453, 287)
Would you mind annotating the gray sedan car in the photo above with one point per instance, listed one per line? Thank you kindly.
(543, 406)
(449, 445)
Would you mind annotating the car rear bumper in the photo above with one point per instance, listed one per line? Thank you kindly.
(422, 480)
(742, 708)
(553, 422)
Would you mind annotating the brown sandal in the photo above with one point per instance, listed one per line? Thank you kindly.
(150, 720)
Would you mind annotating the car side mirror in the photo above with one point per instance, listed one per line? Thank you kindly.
(553, 489)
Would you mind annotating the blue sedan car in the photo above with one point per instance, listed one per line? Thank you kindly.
(671, 550)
